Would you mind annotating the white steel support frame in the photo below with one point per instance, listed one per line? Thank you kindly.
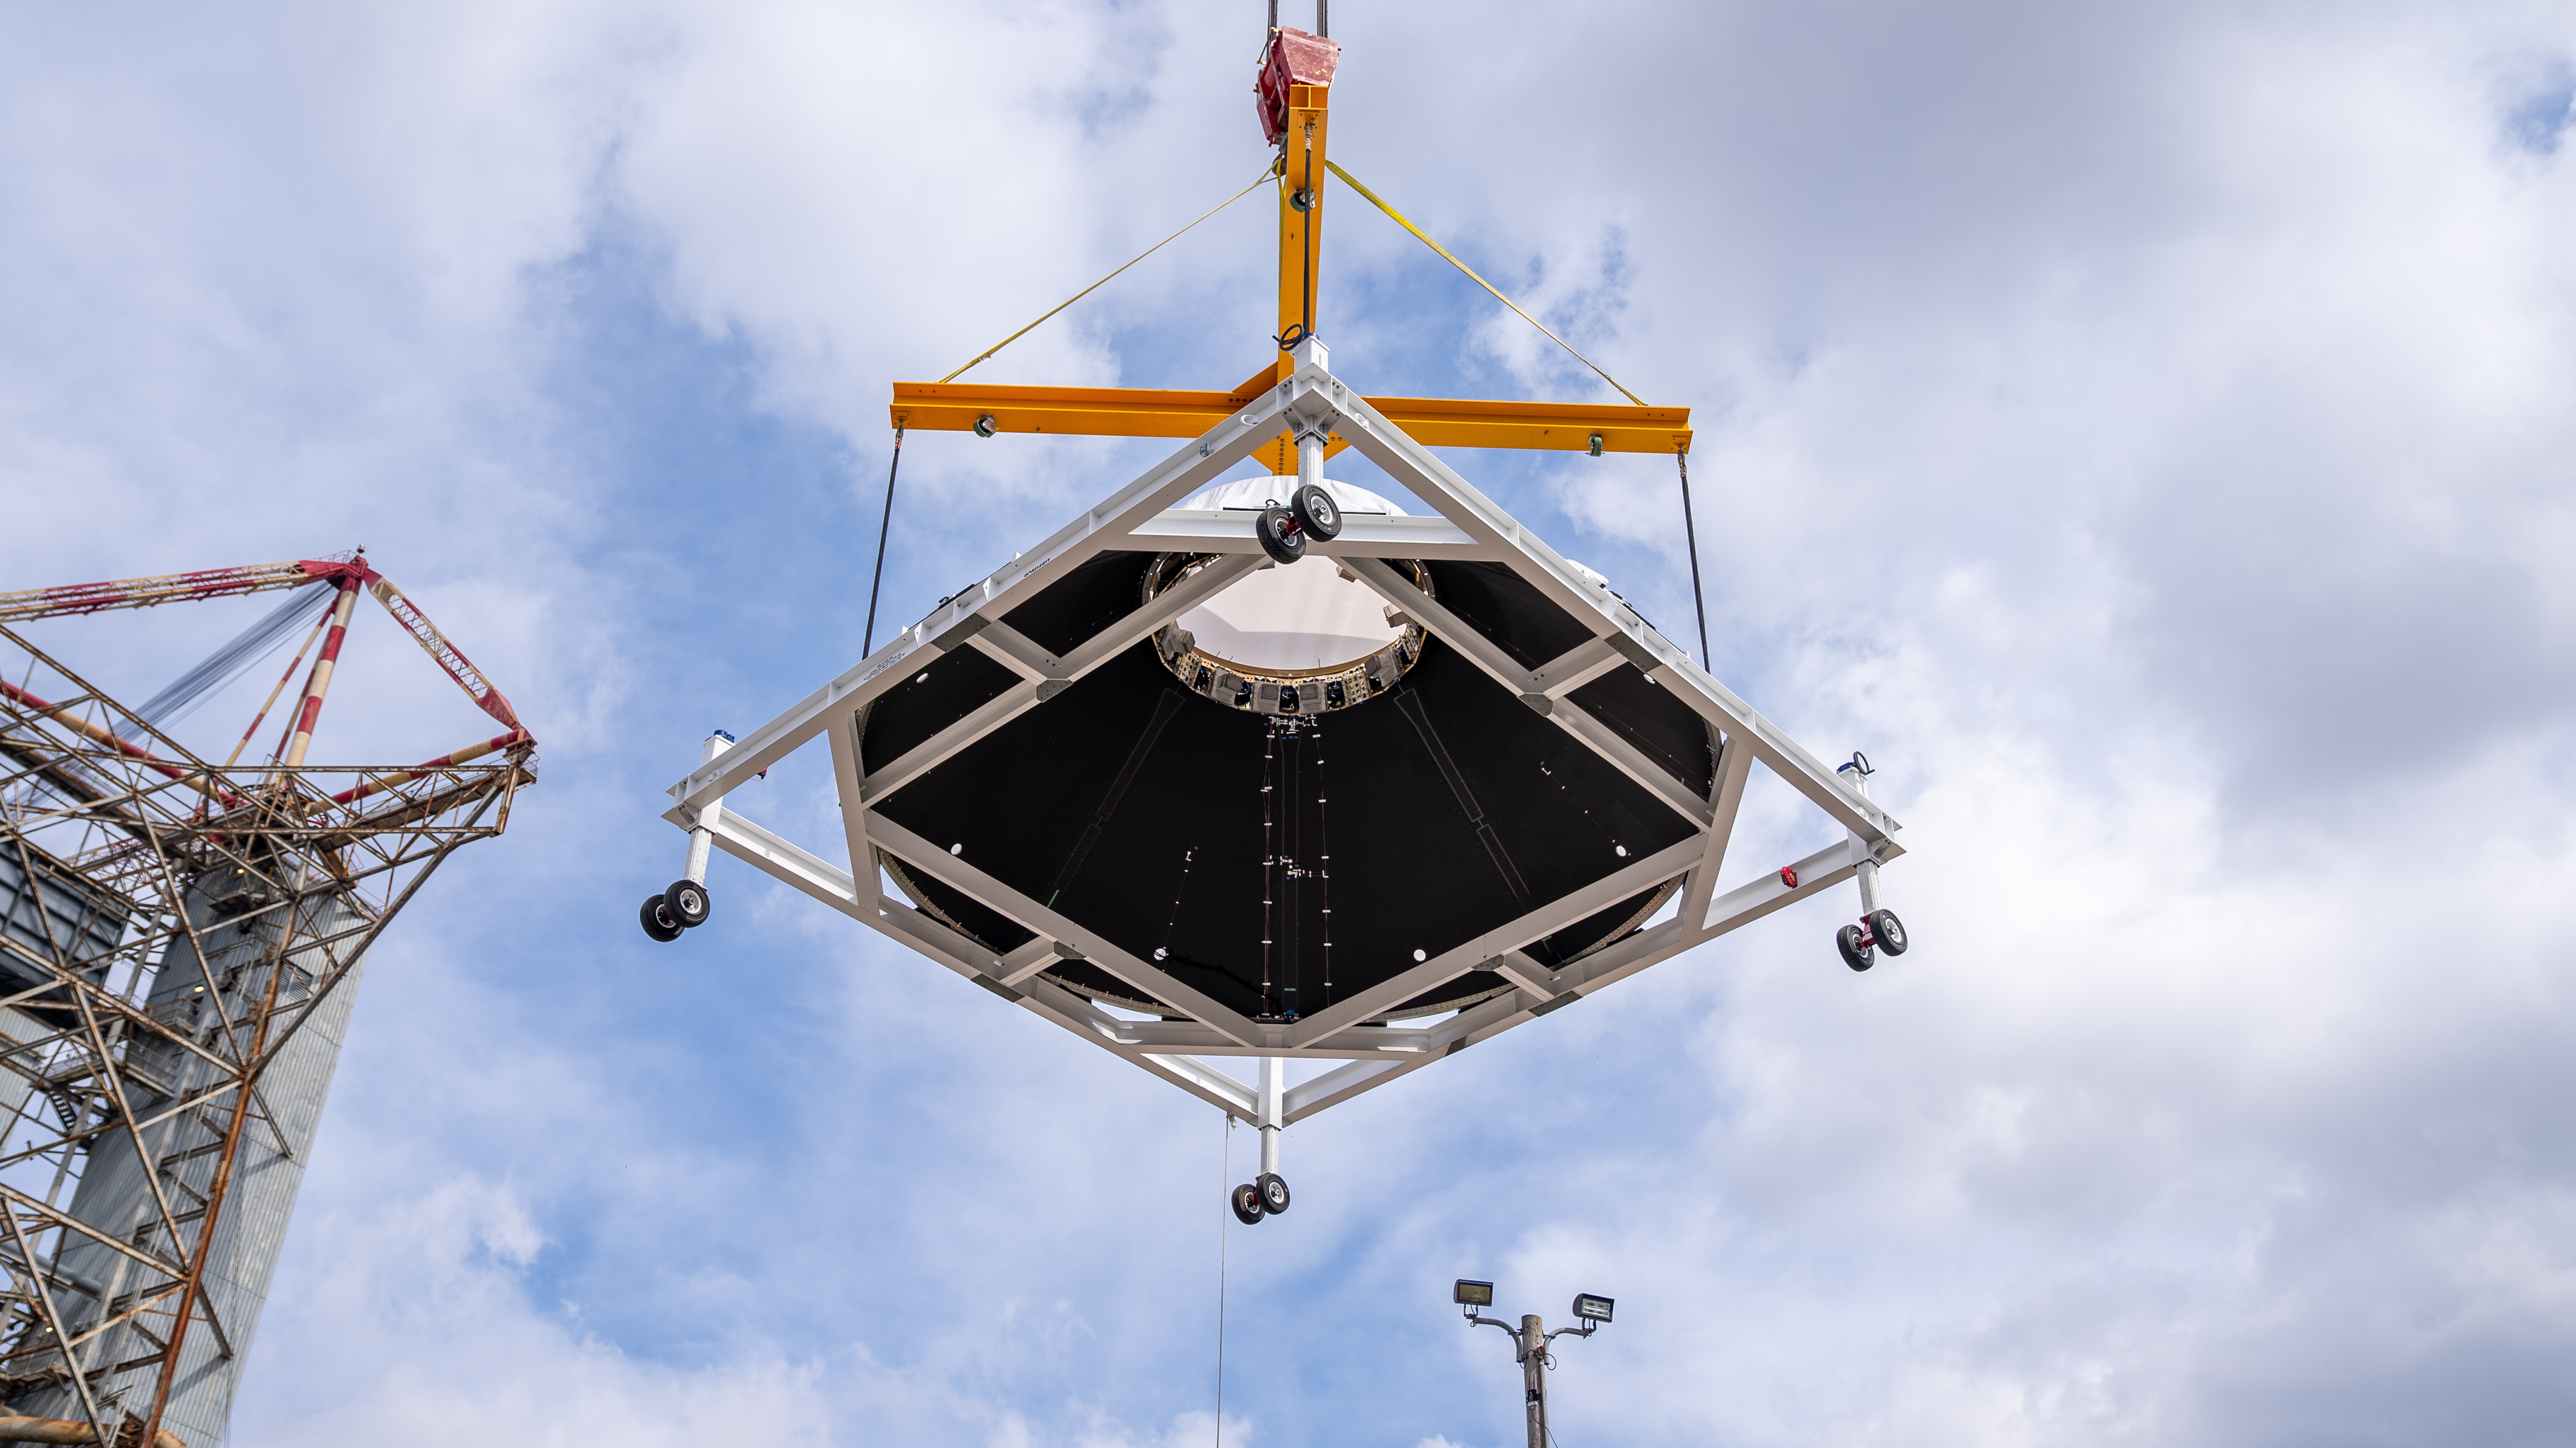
(702, 834)
(1140, 517)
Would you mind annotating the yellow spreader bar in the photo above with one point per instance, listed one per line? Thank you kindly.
(1433, 421)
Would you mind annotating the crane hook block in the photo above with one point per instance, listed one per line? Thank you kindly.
(1295, 58)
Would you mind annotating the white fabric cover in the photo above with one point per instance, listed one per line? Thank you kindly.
(1301, 616)
(1254, 494)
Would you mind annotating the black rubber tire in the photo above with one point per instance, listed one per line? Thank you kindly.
(1317, 514)
(1282, 542)
(686, 902)
(1274, 1192)
(1887, 930)
(1856, 955)
(1247, 1204)
(658, 922)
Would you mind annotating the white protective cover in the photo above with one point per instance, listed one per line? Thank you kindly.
(1286, 620)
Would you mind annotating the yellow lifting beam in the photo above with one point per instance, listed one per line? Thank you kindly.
(1432, 421)
(1301, 215)
(1303, 122)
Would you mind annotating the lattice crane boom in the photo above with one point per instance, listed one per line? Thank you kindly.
(169, 929)
(86, 598)
(78, 598)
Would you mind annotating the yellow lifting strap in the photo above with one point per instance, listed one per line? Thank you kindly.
(1267, 172)
(1398, 217)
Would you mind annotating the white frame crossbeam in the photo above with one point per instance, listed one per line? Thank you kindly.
(1141, 517)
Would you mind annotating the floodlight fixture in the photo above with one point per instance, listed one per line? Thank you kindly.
(1530, 1339)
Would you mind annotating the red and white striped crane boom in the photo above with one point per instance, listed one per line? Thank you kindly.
(84, 598)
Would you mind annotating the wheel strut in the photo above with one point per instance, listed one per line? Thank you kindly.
(686, 904)
(1265, 1195)
(1879, 929)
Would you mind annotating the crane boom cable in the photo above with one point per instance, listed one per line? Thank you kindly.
(1424, 237)
(245, 650)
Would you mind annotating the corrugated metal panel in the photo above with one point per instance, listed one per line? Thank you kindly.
(250, 1232)
(51, 917)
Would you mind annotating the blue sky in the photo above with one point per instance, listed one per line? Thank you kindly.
(2144, 429)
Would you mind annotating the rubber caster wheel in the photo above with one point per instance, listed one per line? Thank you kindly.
(686, 902)
(1886, 930)
(1247, 1204)
(1280, 535)
(1317, 517)
(1855, 948)
(658, 922)
(1274, 1192)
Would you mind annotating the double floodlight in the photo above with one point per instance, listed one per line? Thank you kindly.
(1588, 1307)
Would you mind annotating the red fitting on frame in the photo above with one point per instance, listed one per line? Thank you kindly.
(1789, 876)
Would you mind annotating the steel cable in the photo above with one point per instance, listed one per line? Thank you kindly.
(246, 649)
(1265, 175)
(1425, 238)
(868, 641)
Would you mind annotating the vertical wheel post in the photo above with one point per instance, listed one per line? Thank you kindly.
(1879, 928)
(1273, 1119)
(685, 905)
(702, 838)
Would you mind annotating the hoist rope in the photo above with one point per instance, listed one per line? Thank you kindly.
(1424, 237)
(868, 644)
(1266, 173)
(1690, 530)
(1226, 1171)
(254, 644)
(1690, 527)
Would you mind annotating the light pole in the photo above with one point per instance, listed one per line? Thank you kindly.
(1529, 1344)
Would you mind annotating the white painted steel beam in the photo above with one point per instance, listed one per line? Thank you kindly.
(1209, 1085)
(881, 782)
(1136, 518)
(1503, 669)
(1744, 904)
(1357, 1043)
(854, 820)
(1011, 703)
(1629, 760)
(1363, 536)
(1097, 949)
(1341, 1084)
(1193, 467)
(1015, 651)
(790, 863)
(1576, 667)
(1027, 961)
(1818, 872)
(1726, 797)
(1480, 953)
(1435, 483)
(1169, 604)
(1523, 972)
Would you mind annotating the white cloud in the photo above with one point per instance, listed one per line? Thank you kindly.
(2144, 431)
(418, 1330)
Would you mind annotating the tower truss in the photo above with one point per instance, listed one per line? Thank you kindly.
(180, 946)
